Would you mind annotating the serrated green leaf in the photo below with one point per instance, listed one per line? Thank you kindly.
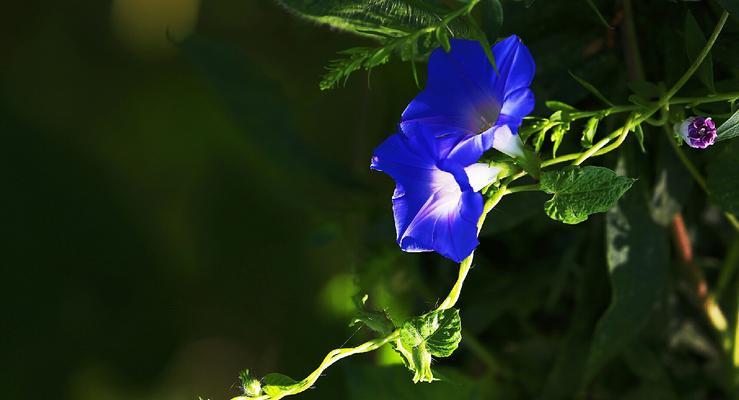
(376, 18)
(638, 264)
(440, 332)
(695, 40)
(723, 177)
(276, 384)
(579, 192)
(437, 333)
(729, 129)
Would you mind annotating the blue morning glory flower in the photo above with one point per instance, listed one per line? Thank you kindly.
(466, 101)
(436, 202)
(465, 109)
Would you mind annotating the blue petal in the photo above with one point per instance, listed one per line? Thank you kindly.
(446, 223)
(459, 90)
(516, 105)
(464, 96)
(432, 212)
(515, 65)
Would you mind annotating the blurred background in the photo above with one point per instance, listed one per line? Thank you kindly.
(182, 202)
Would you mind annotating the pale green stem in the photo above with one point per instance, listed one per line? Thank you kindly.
(337, 354)
(466, 264)
(664, 101)
(332, 357)
(601, 143)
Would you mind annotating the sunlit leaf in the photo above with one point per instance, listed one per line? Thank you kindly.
(729, 129)
(579, 192)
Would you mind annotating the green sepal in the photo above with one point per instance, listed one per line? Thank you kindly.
(378, 321)
(530, 162)
(251, 385)
(558, 135)
(588, 134)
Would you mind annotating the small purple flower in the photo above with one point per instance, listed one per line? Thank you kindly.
(698, 132)
(436, 202)
(466, 101)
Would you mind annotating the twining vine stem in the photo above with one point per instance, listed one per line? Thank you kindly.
(599, 148)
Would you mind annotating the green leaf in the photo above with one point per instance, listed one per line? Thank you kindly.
(530, 162)
(729, 129)
(588, 134)
(276, 384)
(443, 38)
(559, 106)
(723, 177)
(639, 132)
(695, 40)
(558, 135)
(377, 18)
(638, 264)
(590, 88)
(437, 333)
(579, 192)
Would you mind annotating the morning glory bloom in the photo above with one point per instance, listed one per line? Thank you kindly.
(471, 108)
(697, 132)
(436, 203)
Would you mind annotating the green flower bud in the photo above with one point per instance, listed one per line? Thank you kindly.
(251, 386)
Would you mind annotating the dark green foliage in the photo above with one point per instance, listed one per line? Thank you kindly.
(723, 177)
(173, 217)
(638, 264)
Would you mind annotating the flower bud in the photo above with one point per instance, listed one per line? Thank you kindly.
(697, 132)
(252, 387)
